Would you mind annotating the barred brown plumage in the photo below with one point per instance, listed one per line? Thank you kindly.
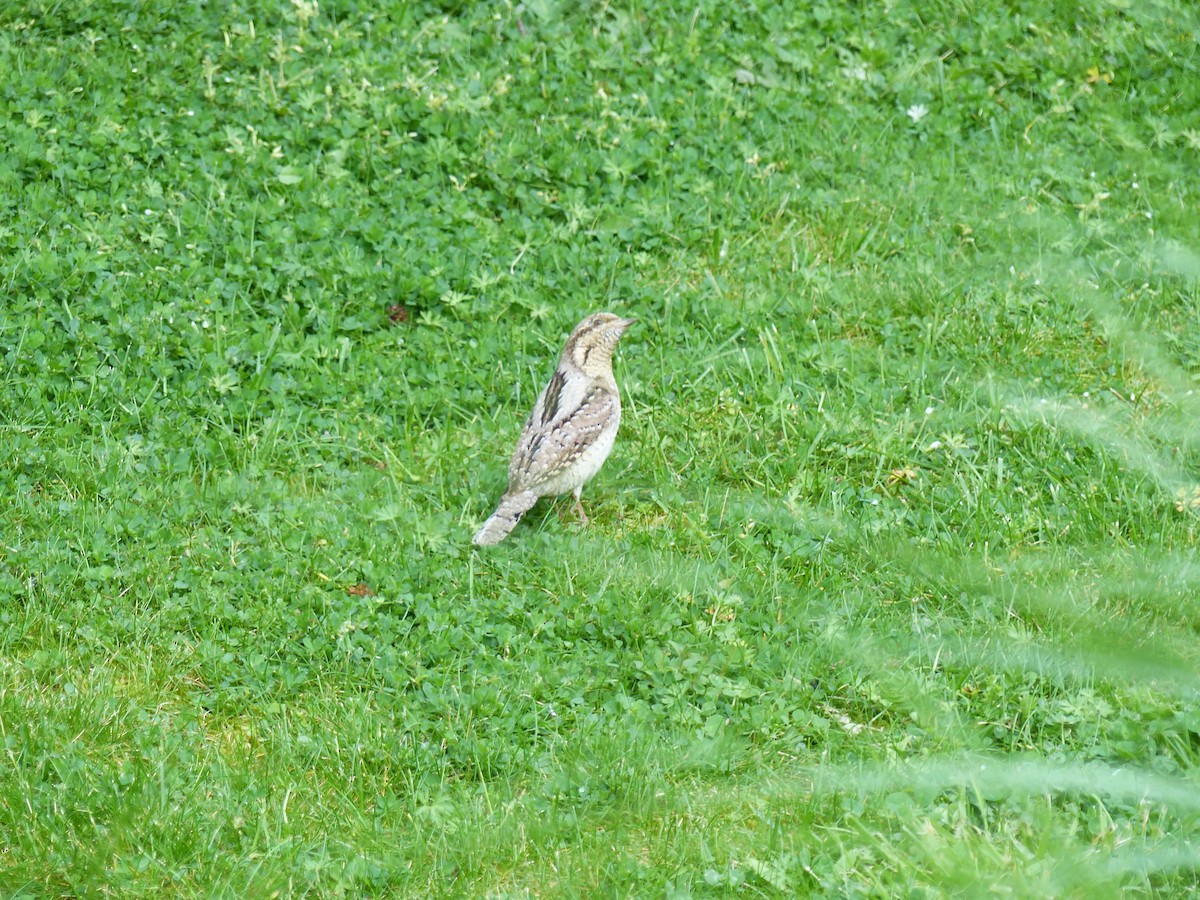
(571, 430)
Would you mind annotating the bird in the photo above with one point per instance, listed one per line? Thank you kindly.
(570, 432)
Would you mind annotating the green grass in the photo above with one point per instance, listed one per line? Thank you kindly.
(891, 587)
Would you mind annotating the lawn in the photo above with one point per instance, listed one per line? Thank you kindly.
(891, 586)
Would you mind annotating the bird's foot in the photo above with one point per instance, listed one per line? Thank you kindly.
(577, 508)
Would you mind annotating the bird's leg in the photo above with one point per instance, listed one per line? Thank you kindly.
(576, 508)
(583, 519)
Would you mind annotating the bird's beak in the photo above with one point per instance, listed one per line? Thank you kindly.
(625, 323)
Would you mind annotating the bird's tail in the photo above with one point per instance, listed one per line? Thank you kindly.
(505, 518)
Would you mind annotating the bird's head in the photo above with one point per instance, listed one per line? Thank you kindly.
(591, 344)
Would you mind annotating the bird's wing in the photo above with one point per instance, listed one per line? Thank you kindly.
(559, 431)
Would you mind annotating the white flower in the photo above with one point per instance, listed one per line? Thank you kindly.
(917, 112)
